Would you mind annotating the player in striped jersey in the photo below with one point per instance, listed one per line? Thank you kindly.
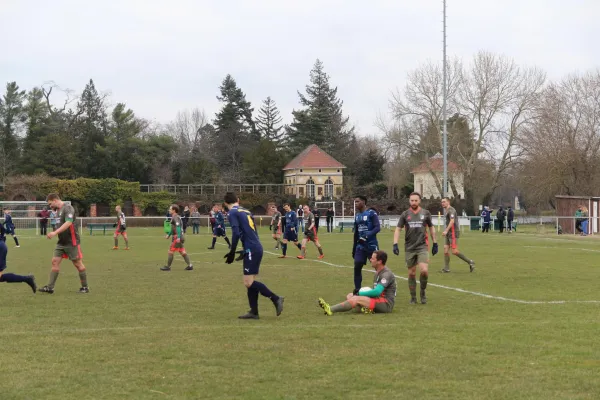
(121, 227)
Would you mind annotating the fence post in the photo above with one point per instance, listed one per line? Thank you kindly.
(557, 225)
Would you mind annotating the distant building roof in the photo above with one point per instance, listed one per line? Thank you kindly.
(313, 157)
(435, 164)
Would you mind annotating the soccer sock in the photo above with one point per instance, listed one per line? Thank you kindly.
(264, 290)
(126, 242)
(357, 275)
(253, 300)
(302, 251)
(423, 281)
(299, 246)
(83, 278)
(446, 261)
(16, 240)
(186, 258)
(320, 250)
(170, 260)
(214, 241)
(412, 285)
(12, 278)
(116, 242)
(53, 278)
(227, 241)
(464, 258)
(284, 248)
(342, 307)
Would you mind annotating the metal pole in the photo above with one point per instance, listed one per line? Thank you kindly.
(444, 95)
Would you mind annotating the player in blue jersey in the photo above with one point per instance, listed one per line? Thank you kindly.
(290, 233)
(366, 227)
(219, 227)
(8, 277)
(244, 229)
(9, 226)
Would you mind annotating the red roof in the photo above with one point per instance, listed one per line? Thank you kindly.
(313, 157)
(435, 164)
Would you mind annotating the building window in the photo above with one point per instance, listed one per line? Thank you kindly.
(300, 170)
(329, 188)
(301, 191)
(319, 169)
(310, 188)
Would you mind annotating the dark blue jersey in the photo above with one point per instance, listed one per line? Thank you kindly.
(8, 222)
(291, 220)
(366, 226)
(220, 219)
(243, 228)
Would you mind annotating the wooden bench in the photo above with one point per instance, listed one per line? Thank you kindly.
(102, 226)
(346, 225)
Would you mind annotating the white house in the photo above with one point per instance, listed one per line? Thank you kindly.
(424, 180)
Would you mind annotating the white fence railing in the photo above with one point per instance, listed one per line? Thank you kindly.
(550, 224)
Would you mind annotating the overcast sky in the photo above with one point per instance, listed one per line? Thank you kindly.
(163, 56)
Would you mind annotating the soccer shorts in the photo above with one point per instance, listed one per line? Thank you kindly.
(362, 255)
(380, 305)
(252, 259)
(219, 231)
(451, 240)
(120, 230)
(311, 235)
(68, 252)
(290, 236)
(414, 258)
(176, 247)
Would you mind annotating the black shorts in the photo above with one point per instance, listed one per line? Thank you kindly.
(252, 259)
(290, 236)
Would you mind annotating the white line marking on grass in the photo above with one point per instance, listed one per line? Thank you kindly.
(563, 248)
(488, 296)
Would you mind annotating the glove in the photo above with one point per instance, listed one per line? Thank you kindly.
(434, 249)
(355, 292)
(229, 257)
(241, 253)
(353, 251)
(114, 225)
(396, 249)
(270, 227)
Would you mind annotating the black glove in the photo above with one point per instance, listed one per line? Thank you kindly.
(229, 257)
(270, 227)
(434, 249)
(353, 251)
(114, 225)
(241, 253)
(396, 249)
(355, 292)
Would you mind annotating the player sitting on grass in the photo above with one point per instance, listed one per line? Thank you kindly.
(380, 299)
(12, 278)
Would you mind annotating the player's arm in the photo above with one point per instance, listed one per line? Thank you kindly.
(397, 235)
(64, 227)
(450, 225)
(312, 224)
(376, 226)
(235, 231)
(372, 292)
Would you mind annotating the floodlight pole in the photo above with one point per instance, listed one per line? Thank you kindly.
(444, 117)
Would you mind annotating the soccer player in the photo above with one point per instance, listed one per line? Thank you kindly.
(289, 234)
(380, 299)
(310, 234)
(329, 217)
(317, 215)
(451, 234)
(177, 240)
(275, 226)
(68, 245)
(244, 229)
(415, 221)
(9, 226)
(8, 277)
(121, 227)
(366, 227)
(54, 220)
(219, 227)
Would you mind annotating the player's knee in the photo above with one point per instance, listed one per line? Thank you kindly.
(183, 254)
(455, 251)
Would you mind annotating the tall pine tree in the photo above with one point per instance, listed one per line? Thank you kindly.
(321, 120)
(11, 119)
(37, 113)
(268, 122)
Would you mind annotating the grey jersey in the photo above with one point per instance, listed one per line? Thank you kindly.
(275, 218)
(386, 278)
(309, 219)
(177, 228)
(453, 230)
(70, 237)
(415, 224)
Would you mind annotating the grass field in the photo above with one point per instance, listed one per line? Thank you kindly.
(145, 334)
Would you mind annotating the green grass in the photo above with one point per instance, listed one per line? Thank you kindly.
(145, 334)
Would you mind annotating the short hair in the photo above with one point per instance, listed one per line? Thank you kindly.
(381, 255)
(230, 198)
(446, 198)
(287, 204)
(415, 194)
(175, 208)
(363, 198)
(52, 197)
